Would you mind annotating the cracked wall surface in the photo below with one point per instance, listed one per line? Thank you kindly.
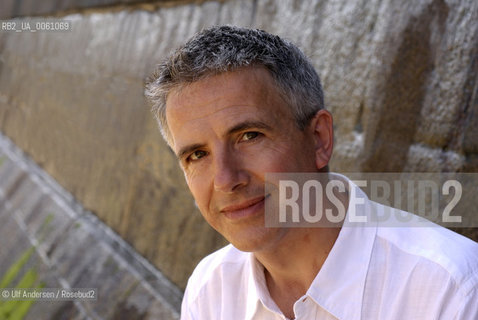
(400, 78)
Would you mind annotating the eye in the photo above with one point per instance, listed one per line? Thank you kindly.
(250, 135)
(196, 155)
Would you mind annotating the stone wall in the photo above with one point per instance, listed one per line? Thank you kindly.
(400, 78)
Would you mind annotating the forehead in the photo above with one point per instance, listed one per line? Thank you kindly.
(247, 85)
(219, 101)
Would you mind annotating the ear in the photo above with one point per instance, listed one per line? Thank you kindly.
(322, 127)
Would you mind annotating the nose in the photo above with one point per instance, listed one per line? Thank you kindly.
(229, 175)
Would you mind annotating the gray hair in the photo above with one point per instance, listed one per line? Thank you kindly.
(227, 48)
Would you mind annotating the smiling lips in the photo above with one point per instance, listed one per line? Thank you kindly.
(245, 209)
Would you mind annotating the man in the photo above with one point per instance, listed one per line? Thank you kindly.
(235, 104)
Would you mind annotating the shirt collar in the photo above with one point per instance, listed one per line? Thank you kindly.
(259, 294)
(340, 283)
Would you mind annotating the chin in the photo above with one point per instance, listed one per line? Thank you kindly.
(258, 241)
(246, 247)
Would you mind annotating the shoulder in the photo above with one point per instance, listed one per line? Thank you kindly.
(435, 247)
(224, 266)
(422, 272)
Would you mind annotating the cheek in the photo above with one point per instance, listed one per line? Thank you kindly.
(294, 156)
(274, 158)
(198, 186)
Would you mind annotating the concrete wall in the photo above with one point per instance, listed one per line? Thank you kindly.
(400, 78)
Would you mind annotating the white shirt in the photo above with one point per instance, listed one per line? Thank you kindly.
(372, 272)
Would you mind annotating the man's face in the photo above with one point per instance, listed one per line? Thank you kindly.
(229, 130)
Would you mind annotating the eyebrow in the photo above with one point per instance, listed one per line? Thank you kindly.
(237, 128)
(248, 125)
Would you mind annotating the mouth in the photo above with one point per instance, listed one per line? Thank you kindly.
(244, 209)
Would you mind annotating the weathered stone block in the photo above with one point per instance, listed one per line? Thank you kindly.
(14, 242)
(157, 310)
(422, 159)
(10, 178)
(86, 263)
(18, 8)
(142, 304)
(53, 309)
(47, 224)
(26, 197)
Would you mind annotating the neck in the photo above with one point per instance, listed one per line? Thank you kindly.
(299, 258)
(290, 269)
